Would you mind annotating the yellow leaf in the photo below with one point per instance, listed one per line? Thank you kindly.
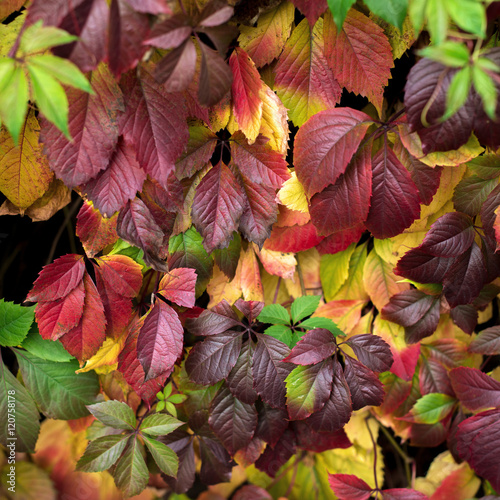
(392, 333)
(249, 273)
(334, 271)
(293, 196)
(354, 288)
(24, 170)
(394, 248)
(346, 313)
(309, 264)
(274, 123)
(219, 113)
(364, 324)
(277, 263)
(219, 287)
(270, 284)
(9, 32)
(105, 360)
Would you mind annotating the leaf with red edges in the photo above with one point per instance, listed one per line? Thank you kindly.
(372, 351)
(56, 280)
(304, 82)
(178, 286)
(325, 145)
(217, 207)
(475, 389)
(396, 392)
(364, 385)
(84, 340)
(121, 272)
(349, 487)
(315, 346)
(93, 125)
(487, 341)
(240, 378)
(215, 77)
(247, 104)
(312, 10)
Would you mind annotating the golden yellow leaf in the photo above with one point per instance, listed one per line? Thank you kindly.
(277, 263)
(249, 273)
(24, 170)
(354, 288)
(392, 333)
(309, 264)
(270, 284)
(105, 360)
(9, 32)
(293, 196)
(334, 271)
(346, 313)
(219, 287)
(274, 123)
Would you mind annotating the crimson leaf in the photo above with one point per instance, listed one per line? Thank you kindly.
(474, 388)
(349, 487)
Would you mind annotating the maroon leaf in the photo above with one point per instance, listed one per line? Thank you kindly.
(403, 494)
(315, 346)
(273, 458)
(151, 6)
(395, 201)
(170, 33)
(488, 215)
(338, 408)
(216, 464)
(252, 492)
(119, 183)
(250, 308)
(272, 424)
(215, 77)
(475, 389)
(340, 240)
(372, 351)
(178, 285)
(408, 307)
(93, 125)
(465, 278)
(155, 123)
(232, 421)
(487, 342)
(240, 379)
(212, 360)
(433, 377)
(365, 387)
(160, 341)
(465, 317)
(182, 443)
(269, 370)
(425, 326)
(349, 487)
(309, 439)
(217, 207)
(325, 145)
(214, 321)
(451, 352)
(56, 280)
(427, 435)
(312, 10)
(422, 267)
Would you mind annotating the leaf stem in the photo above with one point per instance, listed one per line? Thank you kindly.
(374, 454)
(301, 276)
(277, 290)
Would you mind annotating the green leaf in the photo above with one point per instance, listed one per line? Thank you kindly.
(27, 425)
(325, 323)
(334, 271)
(483, 83)
(102, 453)
(50, 97)
(62, 69)
(470, 15)
(432, 408)
(416, 12)
(304, 306)
(59, 392)
(37, 38)
(15, 322)
(452, 54)
(14, 94)
(123, 248)
(159, 424)
(339, 10)
(487, 64)
(437, 20)
(274, 314)
(46, 349)
(281, 333)
(392, 11)
(177, 398)
(458, 92)
(170, 408)
(165, 457)
(115, 414)
(131, 473)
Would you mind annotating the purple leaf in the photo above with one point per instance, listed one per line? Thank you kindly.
(216, 464)
(240, 379)
(364, 385)
(273, 458)
(372, 351)
(408, 307)
(214, 321)
(465, 317)
(250, 308)
(422, 267)
(315, 346)
(475, 389)
(403, 494)
(182, 443)
(433, 377)
(272, 424)
(487, 342)
(349, 487)
(170, 33)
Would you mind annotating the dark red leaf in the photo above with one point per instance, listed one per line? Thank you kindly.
(427, 435)
(308, 438)
(182, 443)
(312, 10)
(408, 307)
(214, 321)
(422, 267)
(395, 202)
(433, 377)
(240, 379)
(315, 346)
(349, 487)
(372, 351)
(475, 389)
(364, 385)
(273, 458)
(487, 342)
(216, 464)
(178, 285)
(212, 360)
(232, 421)
(269, 370)
(403, 494)
(272, 424)
(340, 240)
(160, 341)
(215, 77)
(425, 326)
(250, 308)
(488, 215)
(252, 492)
(465, 317)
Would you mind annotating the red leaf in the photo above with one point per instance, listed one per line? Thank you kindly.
(405, 361)
(349, 487)
(214, 321)
(395, 201)
(364, 385)
(344, 205)
(474, 389)
(325, 145)
(315, 346)
(160, 341)
(57, 317)
(433, 377)
(372, 351)
(273, 458)
(397, 392)
(94, 231)
(232, 421)
(217, 207)
(56, 280)
(408, 307)
(340, 240)
(215, 77)
(487, 342)
(154, 123)
(240, 379)
(178, 285)
(84, 340)
(360, 55)
(93, 125)
(312, 10)
(246, 86)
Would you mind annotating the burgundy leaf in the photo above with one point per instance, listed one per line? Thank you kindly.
(471, 193)
(372, 351)
(487, 342)
(408, 307)
(488, 215)
(217, 207)
(364, 385)
(119, 183)
(93, 125)
(273, 458)
(160, 341)
(215, 77)
(252, 492)
(240, 379)
(425, 326)
(349, 487)
(178, 285)
(215, 13)
(450, 236)
(340, 240)
(395, 202)
(422, 267)
(182, 443)
(308, 438)
(155, 123)
(465, 317)
(150, 6)
(212, 360)
(170, 33)
(216, 464)
(269, 370)
(465, 278)
(250, 308)
(403, 494)
(232, 421)
(272, 423)
(427, 435)
(433, 377)
(312, 10)
(214, 321)
(315, 346)
(475, 389)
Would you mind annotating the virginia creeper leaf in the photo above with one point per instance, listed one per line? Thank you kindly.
(349, 486)
(422, 267)
(432, 408)
(102, 453)
(433, 377)
(487, 341)
(178, 286)
(211, 322)
(240, 378)
(364, 385)
(474, 389)
(115, 414)
(273, 458)
(315, 346)
(274, 314)
(131, 473)
(15, 322)
(465, 317)
(215, 77)
(372, 351)
(304, 306)
(471, 193)
(45, 349)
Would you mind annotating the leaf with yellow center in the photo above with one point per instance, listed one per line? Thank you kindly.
(293, 196)
(274, 123)
(219, 287)
(105, 360)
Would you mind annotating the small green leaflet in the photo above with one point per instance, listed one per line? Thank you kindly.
(115, 414)
(15, 322)
(339, 9)
(46, 349)
(37, 38)
(102, 453)
(131, 473)
(165, 457)
(432, 408)
(283, 334)
(274, 314)
(304, 306)
(318, 322)
(392, 11)
(159, 424)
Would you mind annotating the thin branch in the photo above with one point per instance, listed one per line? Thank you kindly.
(374, 456)
(277, 290)
(301, 276)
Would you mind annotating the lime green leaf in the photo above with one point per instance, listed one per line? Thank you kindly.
(177, 398)
(339, 10)
(159, 425)
(458, 92)
(432, 408)
(36, 38)
(392, 11)
(416, 12)
(304, 306)
(160, 406)
(171, 408)
(453, 54)
(115, 414)
(15, 322)
(102, 453)
(165, 457)
(45, 349)
(325, 323)
(160, 396)
(470, 15)
(281, 333)
(274, 314)
(483, 83)
(131, 473)
(437, 20)
(334, 271)
(487, 64)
